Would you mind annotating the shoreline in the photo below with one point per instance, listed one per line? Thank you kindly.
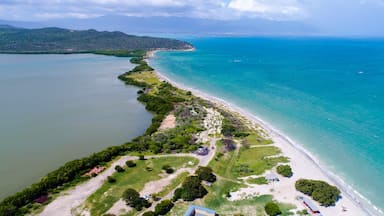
(287, 146)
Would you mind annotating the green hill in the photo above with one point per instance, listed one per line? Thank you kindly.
(58, 40)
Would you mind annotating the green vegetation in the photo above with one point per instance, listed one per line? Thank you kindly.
(272, 209)
(190, 190)
(149, 213)
(168, 169)
(174, 183)
(58, 40)
(255, 161)
(110, 179)
(135, 178)
(130, 163)
(205, 174)
(255, 139)
(284, 170)
(163, 207)
(217, 199)
(260, 180)
(325, 194)
(302, 212)
(133, 199)
(119, 168)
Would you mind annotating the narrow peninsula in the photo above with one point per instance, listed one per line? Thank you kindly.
(200, 154)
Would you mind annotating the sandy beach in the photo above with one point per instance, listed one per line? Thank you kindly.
(303, 163)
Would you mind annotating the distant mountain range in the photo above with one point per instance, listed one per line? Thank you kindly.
(45, 40)
(176, 25)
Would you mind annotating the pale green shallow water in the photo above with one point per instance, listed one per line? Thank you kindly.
(55, 108)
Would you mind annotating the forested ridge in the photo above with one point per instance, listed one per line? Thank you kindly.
(58, 40)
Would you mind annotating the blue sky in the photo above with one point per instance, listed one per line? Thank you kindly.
(327, 15)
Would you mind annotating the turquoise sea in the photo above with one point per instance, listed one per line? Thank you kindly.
(55, 108)
(326, 94)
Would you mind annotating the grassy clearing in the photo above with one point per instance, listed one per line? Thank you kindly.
(104, 198)
(148, 77)
(260, 180)
(216, 199)
(255, 161)
(223, 162)
(256, 139)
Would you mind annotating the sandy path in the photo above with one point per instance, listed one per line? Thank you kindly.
(63, 205)
(152, 187)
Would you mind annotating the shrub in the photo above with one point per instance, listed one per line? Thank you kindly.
(284, 170)
(110, 179)
(130, 163)
(149, 213)
(163, 207)
(177, 194)
(168, 169)
(141, 157)
(272, 209)
(192, 189)
(7, 210)
(133, 199)
(205, 174)
(119, 168)
(322, 192)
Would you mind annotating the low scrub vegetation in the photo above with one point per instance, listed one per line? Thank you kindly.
(322, 192)
(272, 209)
(284, 170)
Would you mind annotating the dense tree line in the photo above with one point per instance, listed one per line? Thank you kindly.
(68, 172)
(58, 40)
(325, 194)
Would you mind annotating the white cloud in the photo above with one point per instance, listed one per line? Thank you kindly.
(271, 9)
(211, 9)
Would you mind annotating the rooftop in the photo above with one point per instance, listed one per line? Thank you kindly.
(195, 210)
(310, 204)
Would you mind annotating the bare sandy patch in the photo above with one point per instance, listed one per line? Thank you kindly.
(169, 122)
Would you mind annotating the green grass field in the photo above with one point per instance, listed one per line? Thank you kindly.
(104, 198)
(260, 180)
(255, 161)
(255, 139)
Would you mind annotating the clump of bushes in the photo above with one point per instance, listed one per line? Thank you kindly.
(205, 174)
(133, 199)
(111, 179)
(190, 190)
(322, 192)
(168, 169)
(118, 168)
(130, 163)
(163, 207)
(284, 170)
(149, 213)
(272, 209)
